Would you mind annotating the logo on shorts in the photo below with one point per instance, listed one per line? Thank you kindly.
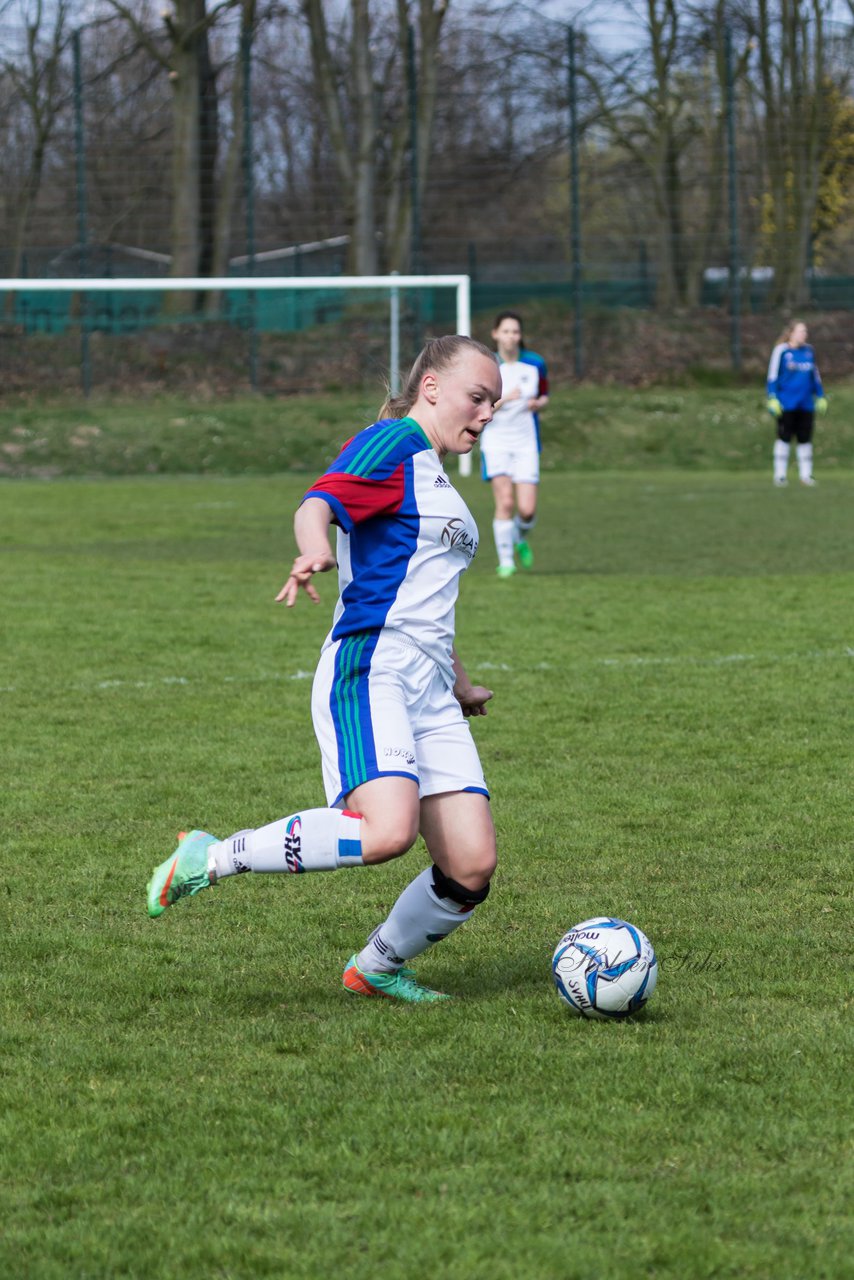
(399, 753)
(293, 846)
(456, 535)
(441, 483)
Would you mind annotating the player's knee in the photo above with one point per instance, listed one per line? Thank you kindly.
(389, 838)
(466, 896)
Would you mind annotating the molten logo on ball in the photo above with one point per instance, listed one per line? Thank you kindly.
(604, 968)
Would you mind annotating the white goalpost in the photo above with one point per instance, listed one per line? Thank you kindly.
(461, 284)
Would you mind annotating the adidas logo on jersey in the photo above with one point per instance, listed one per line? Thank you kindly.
(441, 483)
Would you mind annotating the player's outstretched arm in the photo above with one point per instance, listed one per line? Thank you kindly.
(311, 528)
(471, 697)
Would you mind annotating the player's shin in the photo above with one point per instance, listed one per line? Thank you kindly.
(430, 908)
(522, 526)
(804, 453)
(781, 460)
(502, 531)
(314, 840)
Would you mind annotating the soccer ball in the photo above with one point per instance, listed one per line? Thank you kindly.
(605, 968)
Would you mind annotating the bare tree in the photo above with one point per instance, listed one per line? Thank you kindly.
(182, 48)
(793, 92)
(367, 132)
(38, 82)
(648, 105)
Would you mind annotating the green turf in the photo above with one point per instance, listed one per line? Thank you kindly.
(197, 1097)
(692, 427)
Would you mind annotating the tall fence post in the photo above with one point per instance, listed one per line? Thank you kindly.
(394, 339)
(82, 219)
(414, 186)
(249, 195)
(415, 194)
(734, 253)
(575, 213)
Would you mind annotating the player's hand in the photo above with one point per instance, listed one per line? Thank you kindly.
(303, 570)
(772, 404)
(821, 405)
(473, 699)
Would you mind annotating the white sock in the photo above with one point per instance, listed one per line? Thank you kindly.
(781, 459)
(804, 452)
(502, 531)
(521, 528)
(417, 920)
(315, 840)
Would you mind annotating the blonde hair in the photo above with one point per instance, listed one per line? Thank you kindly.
(438, 354)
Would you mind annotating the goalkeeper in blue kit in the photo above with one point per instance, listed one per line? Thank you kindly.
(795, 394)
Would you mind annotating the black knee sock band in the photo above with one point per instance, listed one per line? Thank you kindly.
(446, 887)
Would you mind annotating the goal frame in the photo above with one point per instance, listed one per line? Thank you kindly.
(211, 284)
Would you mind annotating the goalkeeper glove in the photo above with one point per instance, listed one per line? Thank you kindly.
(821, 405)
(772, 404)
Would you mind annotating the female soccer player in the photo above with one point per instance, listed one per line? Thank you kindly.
(510, 447)
(390, 696)
(794, 393)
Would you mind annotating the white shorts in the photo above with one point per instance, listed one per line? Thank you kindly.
(520, 462)
(381, 708)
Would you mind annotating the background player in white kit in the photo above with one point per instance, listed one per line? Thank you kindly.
(510, 445)
(390, 696)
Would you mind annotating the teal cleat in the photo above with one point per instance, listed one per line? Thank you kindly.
(525, 554)
(400, 985)
(183, 874)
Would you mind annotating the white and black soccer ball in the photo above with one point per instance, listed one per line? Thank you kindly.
(604, 968)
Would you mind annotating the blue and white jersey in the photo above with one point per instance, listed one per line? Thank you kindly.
(404, 537)
(514, 423)
(793, 376)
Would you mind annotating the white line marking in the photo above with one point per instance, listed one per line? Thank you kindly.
(623, 663)
(724, 659)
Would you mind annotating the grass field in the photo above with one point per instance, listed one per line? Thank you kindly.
(197, 1097)
(690, 427)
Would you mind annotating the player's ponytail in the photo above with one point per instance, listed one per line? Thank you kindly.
(438, 354)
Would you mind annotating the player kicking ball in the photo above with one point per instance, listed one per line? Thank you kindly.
(391, 698)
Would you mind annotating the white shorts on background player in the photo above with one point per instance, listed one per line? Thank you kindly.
(392, 713)
(521, 464)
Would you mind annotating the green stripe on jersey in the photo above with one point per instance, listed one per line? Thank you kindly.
(375, 451)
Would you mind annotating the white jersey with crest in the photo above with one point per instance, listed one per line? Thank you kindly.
(405, 536)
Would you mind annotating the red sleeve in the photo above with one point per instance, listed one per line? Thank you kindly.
(357, 498)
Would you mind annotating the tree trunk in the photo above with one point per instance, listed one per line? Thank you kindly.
(37, 83)
(226, 194)
(399, 212)
(792, 87)
(186, 79)
(364, 240)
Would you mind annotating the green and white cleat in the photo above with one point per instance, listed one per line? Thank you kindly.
(183, 874)
(506, 570)
(400, 985)
(525, 554)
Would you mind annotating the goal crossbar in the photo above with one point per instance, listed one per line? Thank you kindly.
(191, 284)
